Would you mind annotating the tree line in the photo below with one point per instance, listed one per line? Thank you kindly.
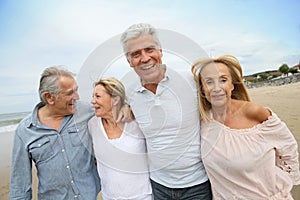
(285, 69)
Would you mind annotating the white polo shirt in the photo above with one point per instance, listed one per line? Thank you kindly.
(170, 121)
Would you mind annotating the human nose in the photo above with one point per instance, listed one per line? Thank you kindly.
(76, 95)
(217, 86)
(144, 56)
(93, 101)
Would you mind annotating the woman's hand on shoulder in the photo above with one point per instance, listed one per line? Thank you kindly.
(257, 112)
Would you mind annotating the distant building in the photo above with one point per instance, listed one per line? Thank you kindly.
(248, 79)
(273, 77)
(275, 73)
(296, 67)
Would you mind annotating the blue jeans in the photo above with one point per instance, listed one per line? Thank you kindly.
(197, 192)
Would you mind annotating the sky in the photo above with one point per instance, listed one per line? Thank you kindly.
(262, 34)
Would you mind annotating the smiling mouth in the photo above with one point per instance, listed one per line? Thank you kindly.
(73, 104)
(218, 96)
(148, 67)
(97, 108)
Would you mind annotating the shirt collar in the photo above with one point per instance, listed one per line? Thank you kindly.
(140, 88)
(33, 120)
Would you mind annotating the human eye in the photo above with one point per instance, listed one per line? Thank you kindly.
(135, 54)
(70, 93)
(223, 79)
(96, 96)
(149, 49)
(208, 82)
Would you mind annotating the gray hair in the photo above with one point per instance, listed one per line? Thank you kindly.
(135, 31)
(49, 81)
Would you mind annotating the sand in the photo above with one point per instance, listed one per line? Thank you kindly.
(283, 100)
(5, 159)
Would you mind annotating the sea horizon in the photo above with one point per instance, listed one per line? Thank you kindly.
(9, 121)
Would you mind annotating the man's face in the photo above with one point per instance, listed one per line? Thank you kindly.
(144, 57)
(65, 103)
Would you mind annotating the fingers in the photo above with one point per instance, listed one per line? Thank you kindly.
(120, 117)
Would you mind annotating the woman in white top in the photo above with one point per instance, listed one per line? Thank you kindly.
(247, 151)
(119, 147)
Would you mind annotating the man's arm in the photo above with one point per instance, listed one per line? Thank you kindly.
(21, 174)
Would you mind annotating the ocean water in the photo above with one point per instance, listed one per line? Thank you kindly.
(9, 121)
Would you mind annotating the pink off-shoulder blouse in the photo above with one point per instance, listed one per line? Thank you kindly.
(250, 164)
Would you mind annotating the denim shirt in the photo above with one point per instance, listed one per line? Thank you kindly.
(64, 158)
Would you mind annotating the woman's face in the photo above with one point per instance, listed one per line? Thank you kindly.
(217, 84)
(102, 102)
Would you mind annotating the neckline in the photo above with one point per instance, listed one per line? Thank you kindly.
(105, 134)
(245, 130)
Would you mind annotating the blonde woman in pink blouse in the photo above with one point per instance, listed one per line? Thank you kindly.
(247, 151)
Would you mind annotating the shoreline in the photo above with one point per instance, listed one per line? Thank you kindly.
(283, 100)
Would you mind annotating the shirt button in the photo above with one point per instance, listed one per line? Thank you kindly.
(72, 181)
(68, 166)
(63, 150)
(39, 145)
(76, 196)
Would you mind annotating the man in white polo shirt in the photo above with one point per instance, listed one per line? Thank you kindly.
(165, 105)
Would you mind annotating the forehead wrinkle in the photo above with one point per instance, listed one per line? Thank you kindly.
(140, 49)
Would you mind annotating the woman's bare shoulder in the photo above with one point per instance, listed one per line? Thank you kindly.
(256, 112)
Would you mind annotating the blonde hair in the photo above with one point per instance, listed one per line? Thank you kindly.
(239, 92)
(113, 87)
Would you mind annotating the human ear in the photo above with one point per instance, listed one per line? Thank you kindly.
(49, 98)
(129, 61)
(160, 52)
(116, 100)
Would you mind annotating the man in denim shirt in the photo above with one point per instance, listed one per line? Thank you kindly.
(55, 137)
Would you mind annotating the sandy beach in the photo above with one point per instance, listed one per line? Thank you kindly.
(283, 100)
(5, 159)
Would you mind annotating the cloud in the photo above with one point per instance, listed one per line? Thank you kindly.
(35, 35)
(255, 51)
